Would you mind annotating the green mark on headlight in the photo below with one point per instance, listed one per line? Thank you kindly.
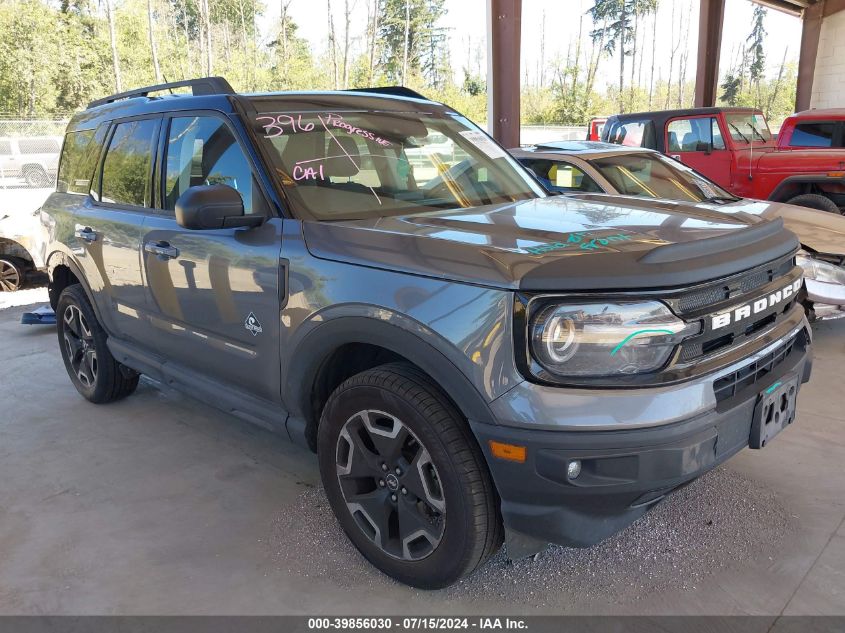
(637, 333)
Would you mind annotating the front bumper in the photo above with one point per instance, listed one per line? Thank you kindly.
(624, 471)
(828, 299)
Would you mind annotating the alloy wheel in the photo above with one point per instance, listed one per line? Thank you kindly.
(10, 277)
(79, 343)
(390, 485)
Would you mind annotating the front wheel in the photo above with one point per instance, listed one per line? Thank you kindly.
(89, 363)
(406, 479)
(11, 274)
(815, 201)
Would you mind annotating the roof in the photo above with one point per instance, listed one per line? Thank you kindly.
(585, 149)
(664, 115)
(214, 93)
(838, 113)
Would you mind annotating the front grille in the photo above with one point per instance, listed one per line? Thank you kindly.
(725, 296)
(702, 298)
(728, 386)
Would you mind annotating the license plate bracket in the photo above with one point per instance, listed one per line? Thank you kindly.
(775, 410)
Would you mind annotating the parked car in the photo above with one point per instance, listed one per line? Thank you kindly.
(588, 167)
(467, 355)
(20, 256)
(734, 148)
(595, 128)
(32, 158)
(813, 129)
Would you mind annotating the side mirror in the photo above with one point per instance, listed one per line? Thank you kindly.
(207, 207)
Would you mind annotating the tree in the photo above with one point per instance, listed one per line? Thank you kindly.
(410, 42)
(757, 55)
(617, 32)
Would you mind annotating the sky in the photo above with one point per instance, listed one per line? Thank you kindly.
(465, 21)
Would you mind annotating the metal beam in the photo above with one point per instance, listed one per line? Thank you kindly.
(504, 26)
(811, 28)
(711, 17)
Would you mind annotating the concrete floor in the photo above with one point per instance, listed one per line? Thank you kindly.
(160, 505)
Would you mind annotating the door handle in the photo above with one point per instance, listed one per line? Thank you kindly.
(161, 249)
(87, 234)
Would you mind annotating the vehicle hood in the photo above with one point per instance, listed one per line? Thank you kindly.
(819, 231)
(590, 242)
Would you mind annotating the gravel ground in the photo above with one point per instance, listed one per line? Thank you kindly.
(720, 520)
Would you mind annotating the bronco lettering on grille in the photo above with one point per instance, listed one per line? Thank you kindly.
(755, 307)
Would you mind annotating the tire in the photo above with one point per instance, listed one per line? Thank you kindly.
(435, 503)
(12, 273)
(97, 376)
(36, 177)
(815, 201)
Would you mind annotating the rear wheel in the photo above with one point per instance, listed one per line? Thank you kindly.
(815, 201)
(12, 273)
(406, 479)
(36, 176)
(89, 363)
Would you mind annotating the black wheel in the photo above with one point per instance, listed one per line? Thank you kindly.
(91, 367)
(35, 176)
(12, 274)
(815, 201)
(406, 479)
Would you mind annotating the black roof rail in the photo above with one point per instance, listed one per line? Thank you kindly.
(399, 91)
(200, 86)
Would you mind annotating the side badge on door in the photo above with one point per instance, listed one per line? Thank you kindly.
(253, 325)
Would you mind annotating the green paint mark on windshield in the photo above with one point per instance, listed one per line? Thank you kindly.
(637, 333)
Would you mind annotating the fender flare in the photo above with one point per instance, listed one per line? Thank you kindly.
(329, 335)
(777, 196)
(60, 258)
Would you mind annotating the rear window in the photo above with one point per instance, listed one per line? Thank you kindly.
(631, 133)
(815, 134)
(77, 163)
(127, 165)
(39, 145)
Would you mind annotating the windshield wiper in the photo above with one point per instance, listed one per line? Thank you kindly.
(725, 199)
(754, 129)
(736, 129)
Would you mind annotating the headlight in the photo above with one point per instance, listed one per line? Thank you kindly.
(818, 270)
(606, 339)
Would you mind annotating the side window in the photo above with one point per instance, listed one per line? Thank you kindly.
(694, 135)
(561, 176)
(77, 163)
(202, 150)
(127, 165)
(815, 134)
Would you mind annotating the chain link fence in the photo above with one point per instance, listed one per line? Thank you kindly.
(29, 152)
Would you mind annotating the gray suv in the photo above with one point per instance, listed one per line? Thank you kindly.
(369, 274)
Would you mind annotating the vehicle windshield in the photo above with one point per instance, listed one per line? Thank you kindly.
(747, 127)
(341, 165)
(652, 175)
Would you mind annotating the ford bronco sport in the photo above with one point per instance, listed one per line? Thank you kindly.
(471, 359)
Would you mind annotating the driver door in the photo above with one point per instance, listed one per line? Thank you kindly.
(215, 296)
(699, 142)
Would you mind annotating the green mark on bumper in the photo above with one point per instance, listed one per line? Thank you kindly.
(773, 387)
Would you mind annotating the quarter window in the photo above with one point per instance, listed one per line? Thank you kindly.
(817, 134)
(5, 148)
(204, 151)
(126, 167)
(77, 163)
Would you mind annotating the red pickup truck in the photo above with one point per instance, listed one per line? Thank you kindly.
(734, 147)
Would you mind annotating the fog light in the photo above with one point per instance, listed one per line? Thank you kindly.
(574, 469)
